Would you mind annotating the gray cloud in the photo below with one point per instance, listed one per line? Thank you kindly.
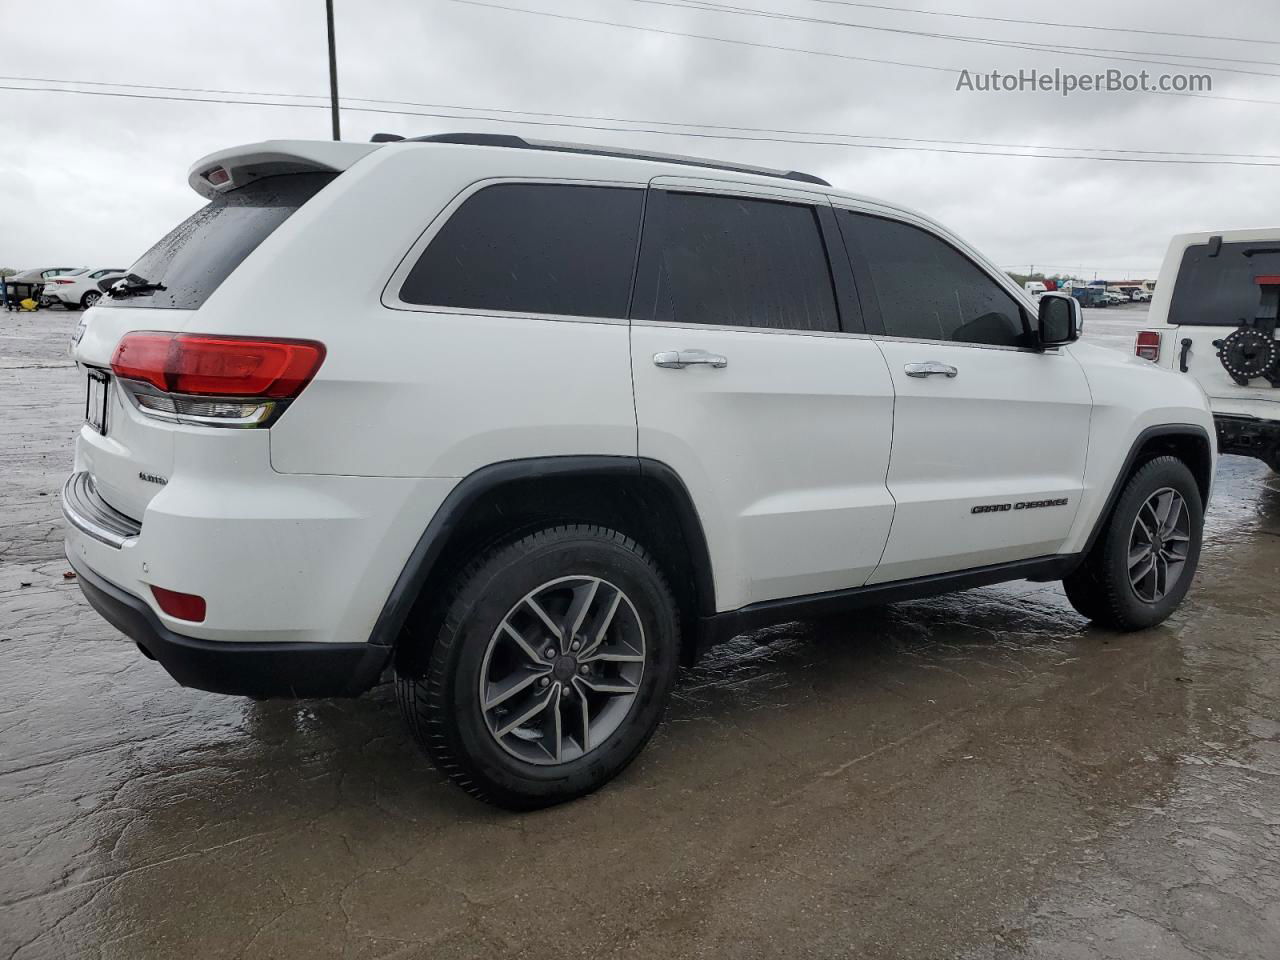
(95, 180)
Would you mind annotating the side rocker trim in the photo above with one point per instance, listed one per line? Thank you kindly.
(725, 626)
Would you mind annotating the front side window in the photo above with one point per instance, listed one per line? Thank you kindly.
(1220, 288)
(736, 262)
(533, 248)
(929, 290)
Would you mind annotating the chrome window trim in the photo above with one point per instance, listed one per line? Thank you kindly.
(956, 343)
(504, 314)
(726, 328)
(730, 188)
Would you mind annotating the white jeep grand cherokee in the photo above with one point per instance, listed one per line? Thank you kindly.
(534, 423)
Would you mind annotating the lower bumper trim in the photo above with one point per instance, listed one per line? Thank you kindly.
(257, 670)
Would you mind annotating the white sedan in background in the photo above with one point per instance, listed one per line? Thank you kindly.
(81, 289)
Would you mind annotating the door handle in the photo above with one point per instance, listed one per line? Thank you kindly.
(1182, 357)
(932, 368)
(679, 359)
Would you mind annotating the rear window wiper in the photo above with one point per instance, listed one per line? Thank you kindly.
(133, 285)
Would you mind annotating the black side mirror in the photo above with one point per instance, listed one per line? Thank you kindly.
(1060, 319)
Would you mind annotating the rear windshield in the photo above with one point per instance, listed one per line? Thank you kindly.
(1222, 290)
(202, 251)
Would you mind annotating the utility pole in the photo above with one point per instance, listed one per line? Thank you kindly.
(333, 71)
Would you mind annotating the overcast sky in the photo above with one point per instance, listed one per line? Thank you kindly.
(91, 180)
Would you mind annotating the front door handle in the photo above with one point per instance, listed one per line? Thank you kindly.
(679, 359)
(932, 368)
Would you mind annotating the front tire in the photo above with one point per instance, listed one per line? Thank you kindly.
(90, 298)
(551, 669)
(1142, 565)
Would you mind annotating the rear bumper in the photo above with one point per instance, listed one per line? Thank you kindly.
(258, 670)
(1248, 436)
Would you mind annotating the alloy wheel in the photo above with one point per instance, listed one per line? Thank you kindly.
(562, 670)
(1159, 544)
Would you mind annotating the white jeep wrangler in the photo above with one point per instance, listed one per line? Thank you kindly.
(532, 424)
(1214, 317)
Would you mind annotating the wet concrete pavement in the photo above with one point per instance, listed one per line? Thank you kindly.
(980, 776)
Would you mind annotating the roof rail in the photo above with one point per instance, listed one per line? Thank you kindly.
(520, 143)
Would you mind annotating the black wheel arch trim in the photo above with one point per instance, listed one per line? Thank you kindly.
(417, 569)
(1122, 476)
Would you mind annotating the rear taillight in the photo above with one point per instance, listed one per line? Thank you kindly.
(218, 381)
(62, 281)
(1147, 345)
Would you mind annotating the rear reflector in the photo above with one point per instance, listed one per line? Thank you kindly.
(181, 606)
(210, 366)
(217, 176)
(1147, 345)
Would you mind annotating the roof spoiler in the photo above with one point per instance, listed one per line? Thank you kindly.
(236, 166)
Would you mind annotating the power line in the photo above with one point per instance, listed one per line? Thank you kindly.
(648, 130)
(1044, 23)
(636, 120)
(816, 53)
(703, 36)
(1095, 53)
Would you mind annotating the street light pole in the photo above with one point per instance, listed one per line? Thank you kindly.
(333, 71)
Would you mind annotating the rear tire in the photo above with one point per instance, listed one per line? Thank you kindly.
(1142, 565)
(613, 684)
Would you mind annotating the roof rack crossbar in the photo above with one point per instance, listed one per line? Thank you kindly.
(520, 143)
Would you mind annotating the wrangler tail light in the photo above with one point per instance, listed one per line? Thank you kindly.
(214, 380)
(1147, 345)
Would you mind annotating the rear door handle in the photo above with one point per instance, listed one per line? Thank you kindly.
(679, 359)
(932, 368)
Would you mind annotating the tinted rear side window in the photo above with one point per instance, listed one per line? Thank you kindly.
(534, 248)
(929, 290)
(735, 262)
(198, 254)
(1223, 290)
